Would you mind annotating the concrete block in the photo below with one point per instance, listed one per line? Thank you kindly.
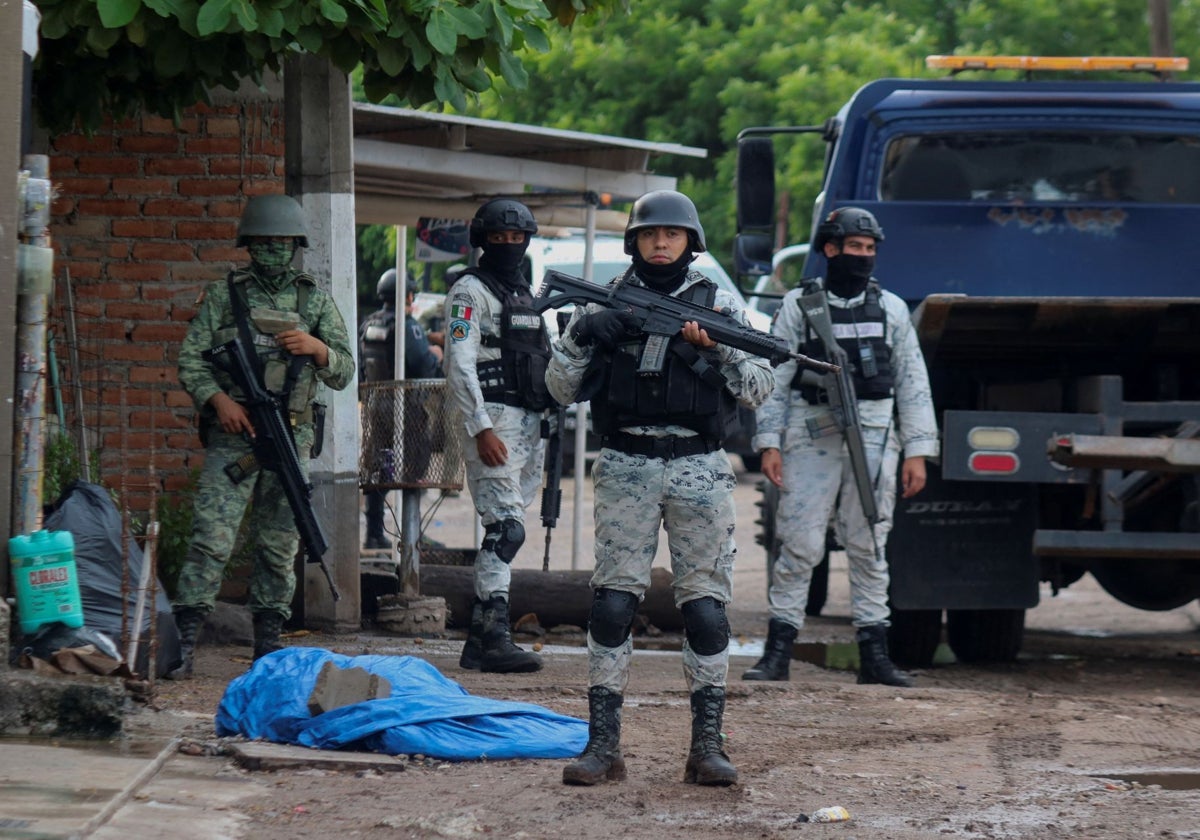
(337, 687)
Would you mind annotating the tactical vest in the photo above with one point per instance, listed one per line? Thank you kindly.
(862, 332)
(518, 377)
(377, 346)
(690, 391)
(283, 373)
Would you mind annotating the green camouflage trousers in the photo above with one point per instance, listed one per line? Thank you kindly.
(271, 529)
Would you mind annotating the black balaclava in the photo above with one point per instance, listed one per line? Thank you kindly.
(503, 261)
(662, 278)
(848, 274)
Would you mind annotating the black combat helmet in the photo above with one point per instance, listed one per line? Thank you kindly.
(847, 221)
(665, 208)
(273, 215)
(500, 214)
(385, 289)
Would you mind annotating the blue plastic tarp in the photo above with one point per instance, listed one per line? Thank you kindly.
(426, 713)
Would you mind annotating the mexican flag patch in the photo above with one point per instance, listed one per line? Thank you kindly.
(460, 310)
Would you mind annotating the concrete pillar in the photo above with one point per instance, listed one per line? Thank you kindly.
(12, 59)
(319, 173)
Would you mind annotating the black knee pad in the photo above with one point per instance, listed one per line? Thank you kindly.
(706, 625)
(612, 616)
(504, 538)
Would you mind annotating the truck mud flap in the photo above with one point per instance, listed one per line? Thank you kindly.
(964, 545)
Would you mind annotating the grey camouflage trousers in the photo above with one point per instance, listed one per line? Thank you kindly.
(692, 498)
(271, 528)
(816, 473)
(504, 492)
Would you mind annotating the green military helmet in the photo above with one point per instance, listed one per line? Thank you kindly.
(273, 215)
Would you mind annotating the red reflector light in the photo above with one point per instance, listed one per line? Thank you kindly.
(994, 463)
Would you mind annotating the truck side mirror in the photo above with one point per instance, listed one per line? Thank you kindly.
(756, 186)
(752, 253)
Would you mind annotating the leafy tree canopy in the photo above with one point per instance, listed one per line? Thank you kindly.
(101, 58)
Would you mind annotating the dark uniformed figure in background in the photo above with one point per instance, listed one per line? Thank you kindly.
(299, 335)
(661, 465)
(496, 354)
(377, 362)
(804, 453)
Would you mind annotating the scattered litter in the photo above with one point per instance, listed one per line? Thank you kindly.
(834, 813)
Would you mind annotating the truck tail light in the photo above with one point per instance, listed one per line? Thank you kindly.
(994, 463)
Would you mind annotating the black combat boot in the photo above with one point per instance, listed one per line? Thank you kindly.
(188, 620)
(601, 758)
(267, 627)
(472, 652)
(874, 664)
(777, 653)
(500, 655)
(707, 763)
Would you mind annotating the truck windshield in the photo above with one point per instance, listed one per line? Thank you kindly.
(1082, 167)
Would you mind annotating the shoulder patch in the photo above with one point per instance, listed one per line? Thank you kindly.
(460, 310)
(459, 330)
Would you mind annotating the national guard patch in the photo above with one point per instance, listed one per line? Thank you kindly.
(460, 310)
(460, 329)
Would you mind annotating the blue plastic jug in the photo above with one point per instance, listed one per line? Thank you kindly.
(43, 567)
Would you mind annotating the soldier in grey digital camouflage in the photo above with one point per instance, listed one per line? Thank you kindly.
(805, 455)
(661, 465)
(495, 362)
(302, 343)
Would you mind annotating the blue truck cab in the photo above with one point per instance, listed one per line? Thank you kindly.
(1046, 235)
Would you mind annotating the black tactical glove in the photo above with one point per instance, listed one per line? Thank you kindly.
(606, 328)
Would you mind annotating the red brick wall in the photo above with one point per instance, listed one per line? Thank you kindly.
(145, 218)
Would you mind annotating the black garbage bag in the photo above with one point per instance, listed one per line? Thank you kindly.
(87, 511)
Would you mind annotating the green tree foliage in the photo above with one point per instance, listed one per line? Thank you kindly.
(698, 71)
(102, 58)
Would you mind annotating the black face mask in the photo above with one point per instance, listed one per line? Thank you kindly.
(663, 278)
(848, 274)
(504, 261)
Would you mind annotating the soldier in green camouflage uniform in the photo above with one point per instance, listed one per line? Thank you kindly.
(288, 317)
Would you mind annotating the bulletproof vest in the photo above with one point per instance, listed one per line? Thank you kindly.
(689, 391)
(377, 346)
(518, 377)
(862, 332)
(293, 377)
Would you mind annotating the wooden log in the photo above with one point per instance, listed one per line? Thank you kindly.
(556, 597)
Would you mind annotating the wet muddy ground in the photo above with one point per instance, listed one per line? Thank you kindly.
(1093, 733)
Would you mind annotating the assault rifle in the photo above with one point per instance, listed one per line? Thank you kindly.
(843, 403)
(274, 449)
(662, 316)
(552, 432)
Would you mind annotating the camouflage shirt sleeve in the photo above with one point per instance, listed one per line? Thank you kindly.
(771, 418)
(471, 312)
(196, 375)
(748, 377)
(917, 421)
(331, 328)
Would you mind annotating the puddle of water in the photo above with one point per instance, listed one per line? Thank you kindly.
(1168, 780)
(123, 747)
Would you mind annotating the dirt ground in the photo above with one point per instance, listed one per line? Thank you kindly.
(1094, 733)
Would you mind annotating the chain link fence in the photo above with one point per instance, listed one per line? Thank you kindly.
(408, 436)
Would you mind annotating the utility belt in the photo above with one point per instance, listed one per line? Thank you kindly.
(665, 448)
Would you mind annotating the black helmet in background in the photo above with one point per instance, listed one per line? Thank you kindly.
(273, 215)
(847, 221)
(501, 214)
(665, 208)
(385, 289)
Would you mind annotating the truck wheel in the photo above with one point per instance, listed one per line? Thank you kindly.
(752, 463)
(914, 636)
(985, 635)
(818, 587)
